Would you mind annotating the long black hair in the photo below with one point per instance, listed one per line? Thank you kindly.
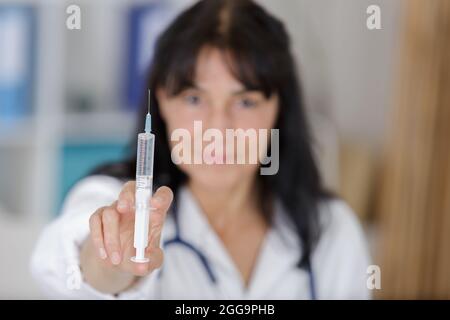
(258, 48)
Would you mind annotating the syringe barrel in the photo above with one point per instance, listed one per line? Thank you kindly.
(145, 149)
(144, 186)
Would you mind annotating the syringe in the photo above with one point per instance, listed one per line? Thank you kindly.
(144, 187)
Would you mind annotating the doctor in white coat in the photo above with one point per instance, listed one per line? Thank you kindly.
(218, 231)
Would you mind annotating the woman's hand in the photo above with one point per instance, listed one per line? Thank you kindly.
(105, 256)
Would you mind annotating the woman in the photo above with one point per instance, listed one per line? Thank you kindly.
(230, 231)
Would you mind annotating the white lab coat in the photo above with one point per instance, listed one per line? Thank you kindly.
(339, 261)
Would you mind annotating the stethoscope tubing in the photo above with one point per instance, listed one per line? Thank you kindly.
(178, 240)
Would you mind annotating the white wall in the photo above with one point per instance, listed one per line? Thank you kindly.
(346, 70)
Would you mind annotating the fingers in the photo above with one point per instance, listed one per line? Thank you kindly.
(129, 186)
(162, 199)
(95, 224)
(111, 236)
(125, 203)
(160, 203)
(156, 258)
(112, 233)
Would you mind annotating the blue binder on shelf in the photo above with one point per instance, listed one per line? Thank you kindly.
(17, 51)
(145, 23)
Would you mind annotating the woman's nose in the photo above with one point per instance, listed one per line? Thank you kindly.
(219, 117)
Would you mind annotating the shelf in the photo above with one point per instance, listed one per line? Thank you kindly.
(19, 133)
(99, 126)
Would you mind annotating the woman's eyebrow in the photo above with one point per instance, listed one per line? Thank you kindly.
(233, 93)
(239, 92)
(195, 87)
(243, 91)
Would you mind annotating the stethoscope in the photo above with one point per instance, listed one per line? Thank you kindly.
(178, 240)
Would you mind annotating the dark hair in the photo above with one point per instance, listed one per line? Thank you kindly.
(258, 49)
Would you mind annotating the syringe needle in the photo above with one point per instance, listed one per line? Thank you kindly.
(149, 99)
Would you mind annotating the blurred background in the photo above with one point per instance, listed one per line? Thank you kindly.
(378, 101)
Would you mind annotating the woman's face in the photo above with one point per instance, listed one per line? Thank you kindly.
(220, 102)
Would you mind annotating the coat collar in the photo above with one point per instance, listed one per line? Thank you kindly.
(279, 252)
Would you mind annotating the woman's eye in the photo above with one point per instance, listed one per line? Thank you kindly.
(192, 99)
(247, 103)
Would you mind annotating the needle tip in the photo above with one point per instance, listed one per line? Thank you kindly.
(149, 99)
